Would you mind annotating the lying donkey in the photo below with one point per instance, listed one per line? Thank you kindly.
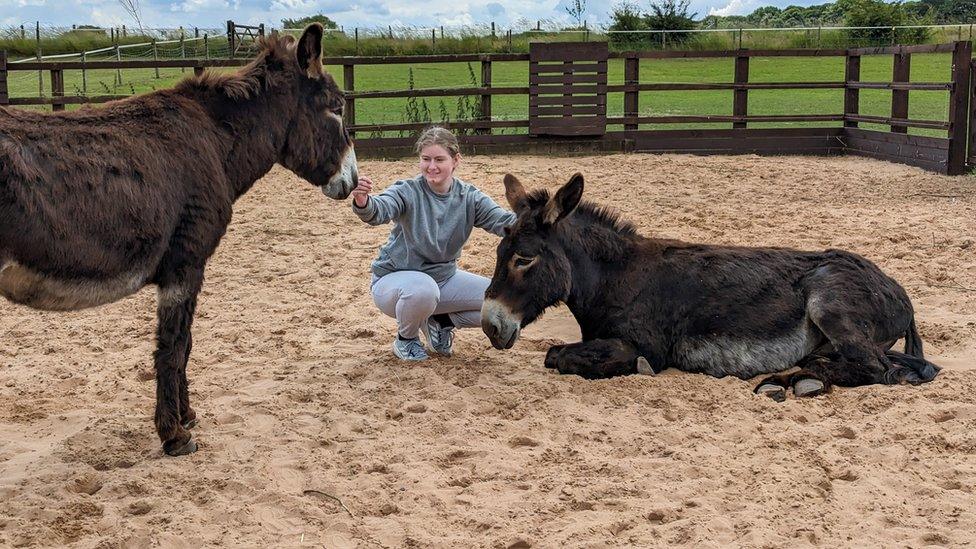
(647, 303)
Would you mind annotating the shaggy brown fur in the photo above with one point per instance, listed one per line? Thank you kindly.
(718, 310)
(97, 203)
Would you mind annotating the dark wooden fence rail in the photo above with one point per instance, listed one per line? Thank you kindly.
(946, 155)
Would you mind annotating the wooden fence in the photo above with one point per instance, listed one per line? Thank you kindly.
(945, 155)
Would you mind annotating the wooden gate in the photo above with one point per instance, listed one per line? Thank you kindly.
(242, 37)
(568, 88)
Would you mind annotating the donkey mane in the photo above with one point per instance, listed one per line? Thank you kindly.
(250, 80)
(589, 213)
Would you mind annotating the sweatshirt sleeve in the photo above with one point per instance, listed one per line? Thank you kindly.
(490, 216)
(384, 207)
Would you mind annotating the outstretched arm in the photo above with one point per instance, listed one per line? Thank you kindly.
(490, 216)
(377, 209)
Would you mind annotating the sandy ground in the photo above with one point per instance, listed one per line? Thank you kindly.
(303, 406)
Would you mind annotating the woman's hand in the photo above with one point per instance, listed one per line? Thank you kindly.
(360, 195)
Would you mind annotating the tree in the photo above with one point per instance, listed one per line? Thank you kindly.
(303, 22)
(134, 10)
(876, 13)
(671, 15)
(628, 17)
(577, 9)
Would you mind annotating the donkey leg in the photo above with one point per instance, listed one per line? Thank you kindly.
(596, 359)
(552, 356)
(176, 306)
(188, 418)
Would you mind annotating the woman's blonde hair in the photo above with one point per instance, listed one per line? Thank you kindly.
(436, 135)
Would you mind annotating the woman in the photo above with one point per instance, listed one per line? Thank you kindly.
(415, 276)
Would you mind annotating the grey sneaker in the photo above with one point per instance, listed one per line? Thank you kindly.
(439, 338)
(410, 349)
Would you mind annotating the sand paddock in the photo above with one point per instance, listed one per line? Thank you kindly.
(301, 400)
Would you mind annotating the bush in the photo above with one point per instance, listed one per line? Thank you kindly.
(671, 15)
(627, 17)
(876, 13)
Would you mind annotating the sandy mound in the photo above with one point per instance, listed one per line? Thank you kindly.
(303, 406)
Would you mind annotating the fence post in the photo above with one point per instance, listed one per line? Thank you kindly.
(84, 73)
(196, 32)
(23, 34)
(740, 97)
(493, 30)
(740, 38)
(124, 32)
(261, 29)
(182, 48)
(852, 74)
(958, 107)
(901, 70)
(442, 32)
(155, 56)
(4, 93)
(818, 36)
(231, 39)
(433, 38)
(631, 97)
(486, 98)
(972, 115)
(357, 40)
(57, 88)
(349, 85)
(118, 57)
(40, 74)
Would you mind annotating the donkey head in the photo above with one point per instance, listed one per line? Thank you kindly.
(533, 269)
(316, 145)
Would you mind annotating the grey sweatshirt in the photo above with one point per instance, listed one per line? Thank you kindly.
(430, 228)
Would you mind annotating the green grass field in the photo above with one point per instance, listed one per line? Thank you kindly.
(928, 105)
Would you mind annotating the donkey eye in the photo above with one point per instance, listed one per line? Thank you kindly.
(523, 261)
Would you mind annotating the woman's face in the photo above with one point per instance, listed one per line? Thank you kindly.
(437, 165)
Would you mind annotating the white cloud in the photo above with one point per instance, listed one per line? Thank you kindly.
(200, 5)
(734, 7)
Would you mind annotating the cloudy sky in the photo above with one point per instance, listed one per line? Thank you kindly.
(349, 13)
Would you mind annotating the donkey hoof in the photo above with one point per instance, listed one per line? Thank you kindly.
(644, 367)
(773, 391)
(808, 387)
(188, 448)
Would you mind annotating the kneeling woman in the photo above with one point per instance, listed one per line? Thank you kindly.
(415, 275)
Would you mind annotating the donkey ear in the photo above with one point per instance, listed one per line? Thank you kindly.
(309, 49)
(514, 192)
(565, 201)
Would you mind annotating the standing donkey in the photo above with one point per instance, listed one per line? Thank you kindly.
(646, 304)
(97, 203)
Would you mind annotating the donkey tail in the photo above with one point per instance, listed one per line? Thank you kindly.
(913, 343)
(924, 370)
(913, 358)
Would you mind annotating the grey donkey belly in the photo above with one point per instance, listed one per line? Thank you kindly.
(27, 287)
(744, 357)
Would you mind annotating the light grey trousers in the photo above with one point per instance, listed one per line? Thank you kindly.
(412, 296)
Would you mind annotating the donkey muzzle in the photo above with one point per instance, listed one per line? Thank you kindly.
(500, 324)
(344, 180)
